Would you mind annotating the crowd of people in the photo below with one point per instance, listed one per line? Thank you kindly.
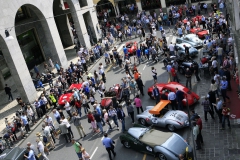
(218, 45)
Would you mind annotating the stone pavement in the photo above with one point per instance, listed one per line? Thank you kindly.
(218, 144)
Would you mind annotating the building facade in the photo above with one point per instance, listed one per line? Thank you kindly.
(39, 30)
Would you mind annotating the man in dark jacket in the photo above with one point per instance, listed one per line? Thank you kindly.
(212, 100)
(179, 98)
(8, 92)
(156, 94)
(121, 117)
(98, 119)
(140, 84)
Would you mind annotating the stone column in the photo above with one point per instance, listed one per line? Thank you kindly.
(18, 68)
(139, 5)
(84, 32)
(94, 21)
(163, 4)
(117, 9)
(54, 41)
(1, 81)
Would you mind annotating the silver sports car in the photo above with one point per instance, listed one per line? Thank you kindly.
(181, 49)
(191, 39)
(164, 145)
(172, 119)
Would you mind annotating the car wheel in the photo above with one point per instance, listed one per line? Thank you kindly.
(181, 70)
(171, 127)
(162, 156)
(142, 121)
(126, 144)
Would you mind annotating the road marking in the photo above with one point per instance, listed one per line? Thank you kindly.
(144, 67)
(94, 152)
(144, 157)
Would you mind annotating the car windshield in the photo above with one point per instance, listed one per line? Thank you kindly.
(144, 132)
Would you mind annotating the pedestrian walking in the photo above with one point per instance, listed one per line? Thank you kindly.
(196, 135)
(121, 117)
(169, 67)
(140, 85)
(112, 113)
(224, 86)
(64, 131)
(106, 119)
(212, 99)
(78, 148)
(179, 99)
(156, 94)
(40, 137)
(172, 98)
(130, 110)
(206, 108)
(188, 75)
(138, 103)
(57, 116)
(199, 123)
(219, 106)
(98, 120)
(77, 123)
(109, 145)
(91, 120)
(68, 108)
(8, 92)
(85, 155)
(40, 148)
(31, 155)
(101, 72)
(226, 114)
(154, 74)
(68, 125)
(48, 135)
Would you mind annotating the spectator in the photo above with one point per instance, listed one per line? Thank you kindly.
(109, 145)
(121, 117)
(138, 103)
(207, 109)
(78, 148)
(226, 114)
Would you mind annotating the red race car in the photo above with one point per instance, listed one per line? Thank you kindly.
(168, 87)
(113, 91)
(200, 32)
(68, 94)
(132, 47)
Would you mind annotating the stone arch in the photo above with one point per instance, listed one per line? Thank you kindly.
(105, 5)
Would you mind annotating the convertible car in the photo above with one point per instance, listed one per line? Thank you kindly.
(114, 91)
(200, 32)
(171, 86)
(184, 65)
(191, 39)
(164, 145)
(68, 94)
(181, 49)
(132, 47)
(162, 117)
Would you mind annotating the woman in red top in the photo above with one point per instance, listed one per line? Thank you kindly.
(91, 120)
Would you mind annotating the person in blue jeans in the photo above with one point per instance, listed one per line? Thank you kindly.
(97, 117)
(112, 113)
(138, 54)
(121, 117)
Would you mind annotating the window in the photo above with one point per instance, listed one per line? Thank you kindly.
(4, 67)
(83, 3)
(22, 14)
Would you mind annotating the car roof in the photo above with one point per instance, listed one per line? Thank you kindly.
(181, 45)
(156, 109)
(177, 85)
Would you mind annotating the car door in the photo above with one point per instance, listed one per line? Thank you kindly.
(136, 144)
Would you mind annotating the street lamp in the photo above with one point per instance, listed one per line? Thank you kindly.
(190, 127)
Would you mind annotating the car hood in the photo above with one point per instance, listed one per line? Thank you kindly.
(64, 97)
(176, 144)
(192, 49)
(137, 132)
(196, 40)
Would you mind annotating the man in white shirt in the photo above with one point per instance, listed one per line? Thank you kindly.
(215, 65)
(196, 135)
(171, 49)
(40, 147)
(172, 98)
(101, 72)
(68, 108)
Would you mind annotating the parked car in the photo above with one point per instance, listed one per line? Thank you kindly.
(164, 145)
(68, 94)
(162, 117)
(15, 153)
(115, 91)
(200, 32)
(191, 39)
(171, 86)
(132, 47)
(181, 49)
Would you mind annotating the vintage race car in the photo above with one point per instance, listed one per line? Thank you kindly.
(164, 145)
(191, 39)
(171, 86)
(68, 94)
(114, 91)
(132, 47)
(184, 65)
(181, 49)
(200, 32)
(162, 117)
